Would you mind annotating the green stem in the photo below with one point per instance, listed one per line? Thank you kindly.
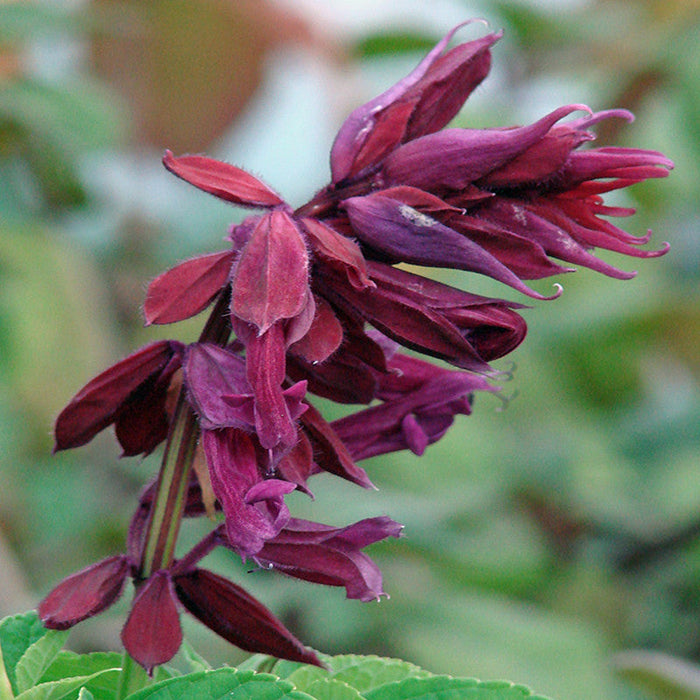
(132, 678)
(171, 490)
(168, 505)
(174, 476)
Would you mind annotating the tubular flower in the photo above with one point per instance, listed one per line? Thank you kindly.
(152, 634)
(317, 305)
(503, 202)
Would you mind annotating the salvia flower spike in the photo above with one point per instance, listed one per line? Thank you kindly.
(310, 301)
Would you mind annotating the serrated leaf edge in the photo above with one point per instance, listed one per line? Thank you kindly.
(244, 677)
(53, 640)
(525, 691)
(72, 683)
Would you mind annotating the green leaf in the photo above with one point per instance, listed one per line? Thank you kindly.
(37, 658)
(660, 675)
(332, 689)
(69, 688)
(68, 664)
(262, 663)
(18, 634)
(224, 682)
(448, 688)
(194, 660)
(283, 668)
(5, 686)
(85, 694)
(367, 672)
(360, 672)
(304, 677)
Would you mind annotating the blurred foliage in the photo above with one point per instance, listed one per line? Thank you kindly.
(181, 89)
(545, 533)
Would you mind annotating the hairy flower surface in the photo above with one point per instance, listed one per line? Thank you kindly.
(317, 305)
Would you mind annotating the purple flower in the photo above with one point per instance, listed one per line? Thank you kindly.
(329, 555)
(254, 506)
(419, 403)
(85, 593)
(524, 186)
(422, 103)
(152, 633)
(317, 306)
(501, 202)
(132, 395)
(419, 313)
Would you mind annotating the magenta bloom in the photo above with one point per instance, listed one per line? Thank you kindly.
(152, 634)
(311, 301)
(501, 202)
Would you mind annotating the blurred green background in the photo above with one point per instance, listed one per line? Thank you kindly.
(544, 536)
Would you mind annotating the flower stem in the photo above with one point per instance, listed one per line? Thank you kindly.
(168, 505)
(171, 489)
(174, 476)
(132, 678)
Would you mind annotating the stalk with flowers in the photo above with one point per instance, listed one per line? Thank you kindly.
(310, 302)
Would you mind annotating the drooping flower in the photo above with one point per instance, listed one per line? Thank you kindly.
(131, 394)
(329, 555)
(419, 402)
(152, 633)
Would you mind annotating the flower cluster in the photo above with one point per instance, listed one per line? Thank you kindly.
(310, 301)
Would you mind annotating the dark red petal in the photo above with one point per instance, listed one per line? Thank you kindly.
(298, 464)
(354, 570)
(404, 234)
(330, 453)
(455, 158)
(239, 618)
(187, 288)
(525, 257)
(409, 320)
(222, 180)
(152, 633)
(144, 421)
(332, 245)
(539, 162)
(434, 91)
(323, 337)
(387, 132)
(349, 374)
(212, 372)
(234, 474)
(97, 404)
(448, 83)
(84, 594)
(270, 280)
(612, 162)
(343, 378)
(328, 555)
(143, 424)
(358, 535)
(275, 411)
